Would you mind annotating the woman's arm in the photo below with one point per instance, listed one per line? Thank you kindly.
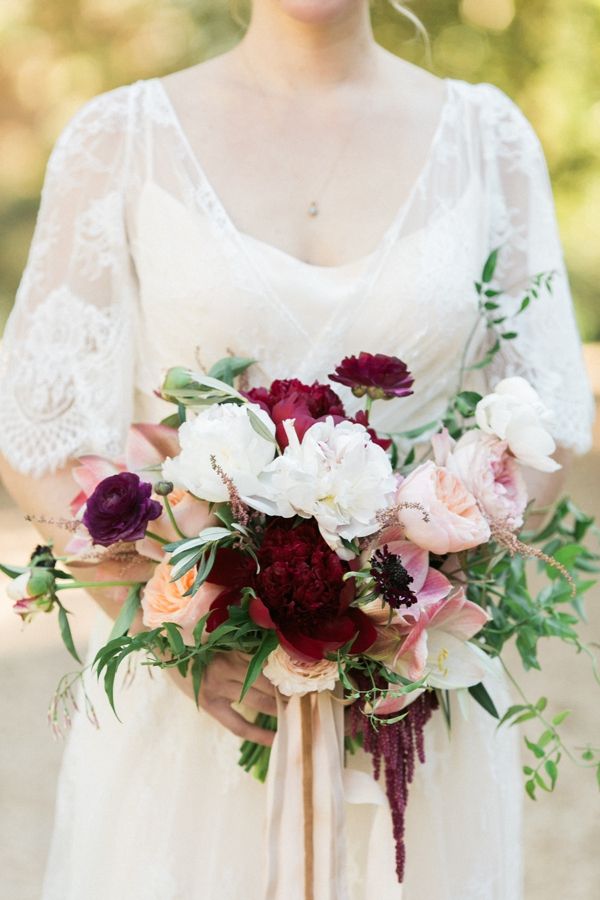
(46, 500)
(544, 488)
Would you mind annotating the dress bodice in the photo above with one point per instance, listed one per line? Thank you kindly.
(136, 266)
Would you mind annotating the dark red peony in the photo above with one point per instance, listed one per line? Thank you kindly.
(381, 377)
(302, 592)
(291, 399)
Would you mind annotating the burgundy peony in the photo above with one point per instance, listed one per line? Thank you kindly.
(302, 592)
(291, 399)
(381, 377)
(362, 418)
(119, 509)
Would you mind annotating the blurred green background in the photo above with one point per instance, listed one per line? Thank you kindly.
(55, 54)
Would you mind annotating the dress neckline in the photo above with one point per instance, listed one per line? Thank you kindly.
(241, 237)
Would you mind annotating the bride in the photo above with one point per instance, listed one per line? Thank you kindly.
(305, 196)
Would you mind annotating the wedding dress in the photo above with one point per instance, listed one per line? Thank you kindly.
(135, 265)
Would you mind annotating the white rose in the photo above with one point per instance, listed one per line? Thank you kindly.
(293, 676)
(338, 475)
(225, 432)
(515, 413)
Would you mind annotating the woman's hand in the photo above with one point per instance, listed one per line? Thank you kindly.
(222, 685)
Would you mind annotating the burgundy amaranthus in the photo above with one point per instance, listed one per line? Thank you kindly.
(399, 746)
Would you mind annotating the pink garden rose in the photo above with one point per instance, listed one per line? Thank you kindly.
(447, 519)
(164, 600)
(487, 469)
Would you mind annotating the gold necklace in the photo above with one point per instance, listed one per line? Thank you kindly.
(313, 209)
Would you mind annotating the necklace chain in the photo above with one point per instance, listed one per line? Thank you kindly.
(313, 209)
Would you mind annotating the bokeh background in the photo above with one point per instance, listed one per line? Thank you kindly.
(54, 55)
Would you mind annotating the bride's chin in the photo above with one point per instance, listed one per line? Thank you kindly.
(317, 12)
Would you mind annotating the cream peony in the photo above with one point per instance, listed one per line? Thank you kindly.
(225, 432)
(338, 475)
(515, 413)
(448, 518)
(488, 471)
(293, 676)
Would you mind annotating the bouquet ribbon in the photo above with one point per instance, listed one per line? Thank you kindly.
(307, 787)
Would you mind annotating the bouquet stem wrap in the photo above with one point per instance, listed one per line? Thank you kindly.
(305, 801)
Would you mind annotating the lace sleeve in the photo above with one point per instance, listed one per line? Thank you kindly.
(523, 224)
(66, 366)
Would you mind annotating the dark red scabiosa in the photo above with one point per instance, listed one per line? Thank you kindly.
(304, 403)
(120, 509)
(381, 377)
(300, 592)
(392, 579)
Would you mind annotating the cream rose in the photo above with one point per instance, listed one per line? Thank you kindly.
(446, 517)
(293, 676)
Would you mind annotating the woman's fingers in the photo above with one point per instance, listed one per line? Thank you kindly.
(260, 702)
(221, 710)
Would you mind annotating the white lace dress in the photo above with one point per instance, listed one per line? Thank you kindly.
(136, 266)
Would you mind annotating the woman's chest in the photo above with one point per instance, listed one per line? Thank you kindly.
(206, 291)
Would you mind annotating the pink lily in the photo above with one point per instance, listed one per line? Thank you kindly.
(437, 645)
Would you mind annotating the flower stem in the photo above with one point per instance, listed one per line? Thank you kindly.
(92, 584)
(156, 537)
(169, 509)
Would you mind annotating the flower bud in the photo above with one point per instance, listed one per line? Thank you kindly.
(163, 488)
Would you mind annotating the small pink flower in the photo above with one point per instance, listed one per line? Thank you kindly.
(486, 467)
(444, 517)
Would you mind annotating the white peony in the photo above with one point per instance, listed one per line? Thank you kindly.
(225, 432)
(338, 475)
(294, 676)
(515, 413)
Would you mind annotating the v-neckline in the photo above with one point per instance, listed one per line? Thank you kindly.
(239, 236)
(211, 206)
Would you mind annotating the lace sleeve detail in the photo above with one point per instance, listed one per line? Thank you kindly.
(522, 222)
(66, 365)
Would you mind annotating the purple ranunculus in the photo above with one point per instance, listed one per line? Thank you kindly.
(381, 377)
(120, 509)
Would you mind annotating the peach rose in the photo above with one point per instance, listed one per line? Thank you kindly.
(447, 519)
(191, 515)
(163, 600)
(293, 676)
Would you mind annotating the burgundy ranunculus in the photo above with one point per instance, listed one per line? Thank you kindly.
(381, 377)
(300, 591)
(291, 399)
(119, 509)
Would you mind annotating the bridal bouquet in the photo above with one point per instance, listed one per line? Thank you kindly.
(381, 572)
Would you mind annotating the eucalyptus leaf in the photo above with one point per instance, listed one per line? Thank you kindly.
(269, 642)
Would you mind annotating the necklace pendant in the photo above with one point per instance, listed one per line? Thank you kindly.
(313, 209)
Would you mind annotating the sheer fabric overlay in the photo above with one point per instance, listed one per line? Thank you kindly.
(135, 265)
